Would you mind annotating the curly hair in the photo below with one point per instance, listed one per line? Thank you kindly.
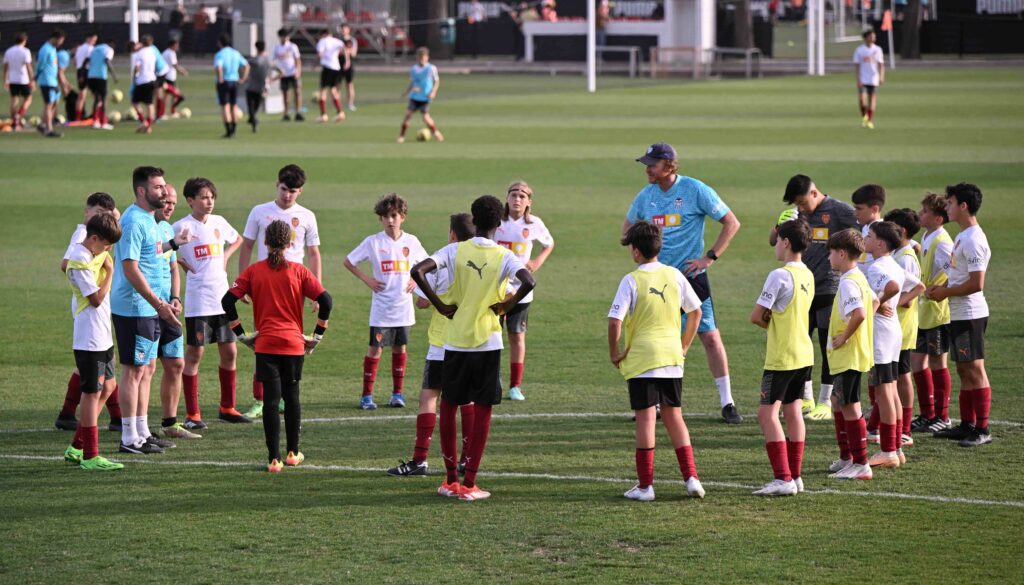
(391, 202)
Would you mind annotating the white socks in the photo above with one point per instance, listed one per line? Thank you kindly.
(808, 390)
(129, 434)
(142, 427)
(825, 394)
(724, 390)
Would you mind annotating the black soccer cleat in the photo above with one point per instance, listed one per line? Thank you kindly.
(115, 424)
(66, 423)
(159, 442)
(978, 437)
(957, 433)
(407, 468)
(920, 423)
(730, 415)
(233, 416)
(144, 449)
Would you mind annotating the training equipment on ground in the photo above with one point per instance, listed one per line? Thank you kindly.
(131, 114)
(238, 113)
(114, 117)
(61, 119)
(117, 96)
(186, 113)
(34, 121)
(424, 135)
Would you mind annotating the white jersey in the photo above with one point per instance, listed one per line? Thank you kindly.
(171, 57)
(82, 53)
(866, 259)
(286, 58)
(519, 236)
(76, 238)
(391, 261)
(328, 48)
(869, 60)
(625, 302)
(778, 288)
(850, 298)
(888, 334)
(302, 220)
(440, 281)
(971, 253)
(910, 266)
(206, 279)
(17, 58)
(92, 331)
(145, 60)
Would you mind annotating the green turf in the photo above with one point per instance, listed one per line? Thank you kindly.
(206, 513)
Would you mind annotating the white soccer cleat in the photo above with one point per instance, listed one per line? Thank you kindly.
(693, 489)
(906, 440)
(885, 460)
(901, 456)
(839, 465)
(643, 495)
(854, 471)
(777, 487)
(799, 485)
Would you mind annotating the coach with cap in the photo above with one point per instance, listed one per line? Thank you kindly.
(679, 205)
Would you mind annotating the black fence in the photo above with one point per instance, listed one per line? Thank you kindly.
(193, 42)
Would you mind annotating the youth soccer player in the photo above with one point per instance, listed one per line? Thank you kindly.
(171, 88)
(90, 272)
(518, 231)
(850, 354)
(256, 86)
(390, 253)
(277, 288)
(162, 69)
(290, 181)
(206, 280)
(232, 70)
(331, 52)
(928, 359)
(868, 201)
(648, 304)
(424, 82)
(82, 55)
(101, 64)
(478, 270)
(143, 67)
(968, 313)
(51, 80)
(784, 310)
(348, 72)
(888, 280)
(460, 229)
(288, 61)
(18, 78)
(909, 224)
(870, 66)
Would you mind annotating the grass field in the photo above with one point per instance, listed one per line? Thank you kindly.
(557, 463)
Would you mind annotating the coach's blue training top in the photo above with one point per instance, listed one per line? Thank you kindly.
(165, 233)
(98, 62)
(46, 65)
(231, 61)
(63, 59)
(140, 241)
(680, 213)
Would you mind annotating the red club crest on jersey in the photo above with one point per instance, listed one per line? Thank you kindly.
(825, 217)
(405, 252)
(295, 222)
(526, 232)
(216, 234)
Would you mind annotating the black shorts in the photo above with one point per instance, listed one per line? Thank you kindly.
(98, 87)
(883, 373)
(93, 365)
(868, 89)
(20, 90)
(137, 339)
(289, 83)
(329, 78)
(347, 75)
(647, 392)
(143, 94)
(160, 81)
(821, 311)
(432, 374)
(227, 93)
(51, 95)
(471, 376)
(846, 387)
(968, 339)
(516, 320)
(903, 366)
(83, 78)
(286, 369)
(934, 341)
(786, 386)
(418, 106)
(171, 345)
(389, 336)
(169, 82)
(209, 329)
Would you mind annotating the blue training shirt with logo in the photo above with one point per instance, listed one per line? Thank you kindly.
(165, 233)
(423, 79)
(46, 66)
(231, 61)
(680, 213)
(140, 241)
(98, 62)
(63, 59)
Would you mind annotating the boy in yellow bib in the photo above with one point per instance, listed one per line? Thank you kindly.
(784, 310)
(478, 270)
(649, 304)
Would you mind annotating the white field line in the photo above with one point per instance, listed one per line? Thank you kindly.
(553, 477)
(505, 416)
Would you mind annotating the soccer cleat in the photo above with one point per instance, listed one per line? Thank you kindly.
(401, 139)
(72, 455)
(109, 127)
(299, 117)
(294, 459)
(906, 441)
(873, 437)
(397, 400)
(730, 415)
(340, 117)
(693, 488)
(351, 107)
(66, 423)
(777, 487)
(799, 481)
(142, 449)
(162, 443)
(472, 494)
(322, 119)
(232, 416)
(839, 465)
(275, 466)
(100, 464)
(407, 468)
(194, 424)
(902, 457)
(890, 460)
(871, 125)
(286, 118)
(461, 468)
(515, 393)
(806, 406)
(255, 411)
(449, 490)
(854, 471)
(864, 121)
(978, 437)
(438, 136)
(939, 424)
(178, 431)
(640, 494)
(115, 424)
(366, 403)
(821, 411)
(957, 433)
(919, 423)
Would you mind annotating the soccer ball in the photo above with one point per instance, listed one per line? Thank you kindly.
(61, 119)
(238, 113)
(186, 113)
(34, 121)
(424, 135)
(117, 96)
(131, 114)
(115, 117)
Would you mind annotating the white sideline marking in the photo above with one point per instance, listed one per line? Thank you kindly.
(506, 416)
(586, 478)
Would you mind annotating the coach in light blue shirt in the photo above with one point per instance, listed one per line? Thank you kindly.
(232, 69)
(678, 205)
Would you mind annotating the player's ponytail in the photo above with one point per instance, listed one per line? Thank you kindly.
(525, 188)
(277, 238)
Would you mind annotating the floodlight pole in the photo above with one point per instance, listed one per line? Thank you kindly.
(892, 53)
(811, 44)
(90, 12)
(821, 37)
(133, 20)
(591, 46)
